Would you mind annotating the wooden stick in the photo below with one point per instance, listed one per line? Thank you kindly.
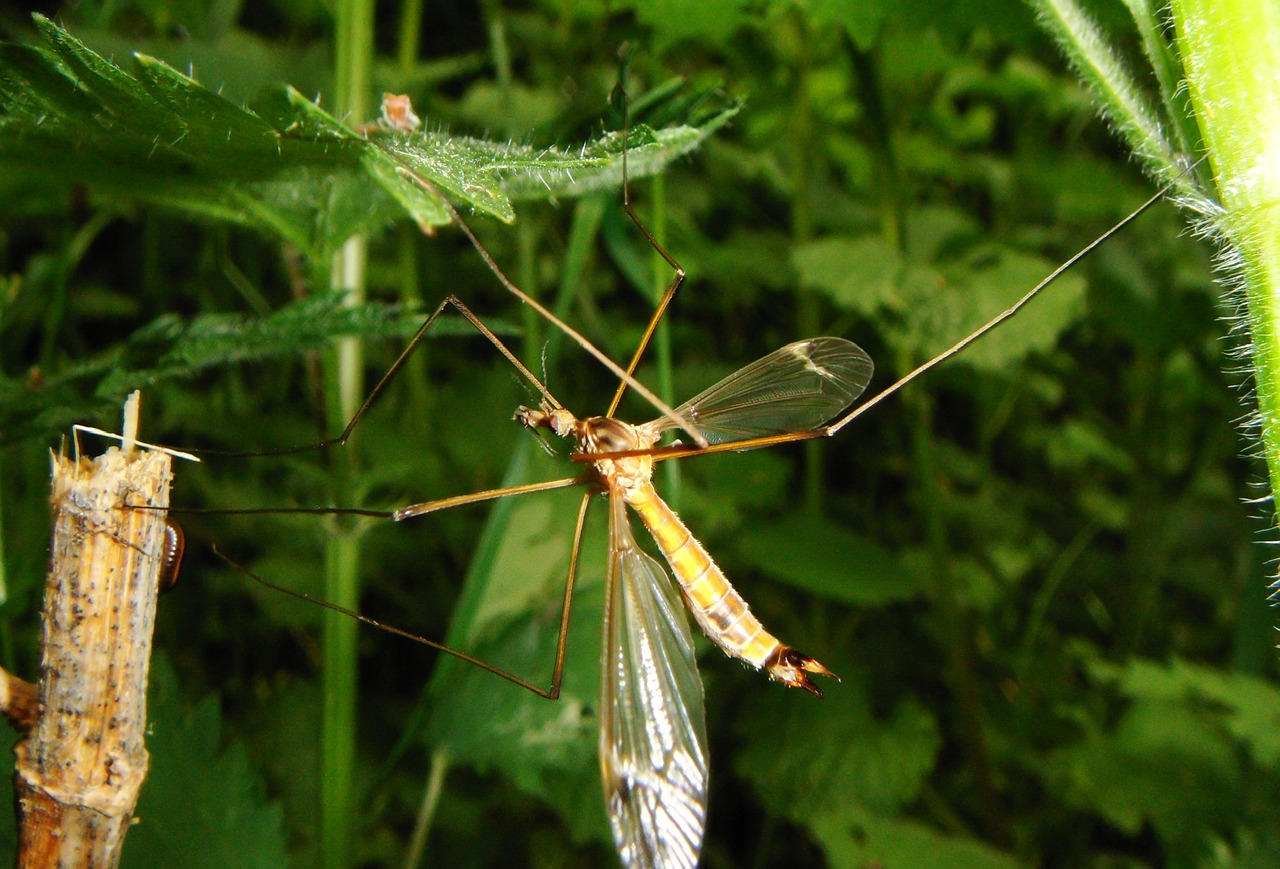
(79, 770)
(19, 701)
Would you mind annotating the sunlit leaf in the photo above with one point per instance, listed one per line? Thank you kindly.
(860, 273)
(287, 167)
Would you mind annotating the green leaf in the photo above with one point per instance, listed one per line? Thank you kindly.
(547, 748)
(281, 733)
(1079, 444)
(998, 281)
(1164, 763)
(859, 273)
(942, 302)
(720, 493)
(549, 173)
(287, 167)
(942, 305)
(840, 758)
(825, 559)
(859, 838)
(1249, 706)
(202, 803)
(676, 20)
(168, 348)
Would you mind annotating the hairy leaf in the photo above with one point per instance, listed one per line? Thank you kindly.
(283, 166)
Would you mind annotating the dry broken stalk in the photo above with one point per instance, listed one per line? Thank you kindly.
(81, 766)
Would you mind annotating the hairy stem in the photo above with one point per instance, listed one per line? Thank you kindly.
(345, 389)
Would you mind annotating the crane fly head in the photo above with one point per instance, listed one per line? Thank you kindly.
(560, 421)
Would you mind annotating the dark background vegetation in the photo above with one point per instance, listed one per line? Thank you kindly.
(1033, 570)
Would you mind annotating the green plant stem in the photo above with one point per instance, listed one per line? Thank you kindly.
(345, 389)
(526, 232)
(802, 147)
(587, 216)
(410, 35)
(1053, 577)
(1124, 104)
(1164, 62)
(427, 809)
(953, 616)
(1232, 66)
(342, 580)
(410, 237)
(889, 188)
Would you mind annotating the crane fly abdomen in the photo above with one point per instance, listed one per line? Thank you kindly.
(717, 607)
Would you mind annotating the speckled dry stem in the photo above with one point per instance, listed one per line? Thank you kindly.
(80, 769)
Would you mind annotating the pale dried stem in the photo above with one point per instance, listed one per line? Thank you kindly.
(82, 764)
(19, 701)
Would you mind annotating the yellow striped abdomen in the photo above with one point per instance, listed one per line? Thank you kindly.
(716, 606)
(719, 610)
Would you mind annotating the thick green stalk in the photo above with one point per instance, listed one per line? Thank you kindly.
(1231, 54)
(345, 388)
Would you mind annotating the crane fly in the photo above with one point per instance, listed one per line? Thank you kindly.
(653, 753)
(652, 740)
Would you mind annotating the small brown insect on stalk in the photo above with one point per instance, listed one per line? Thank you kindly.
(81, 765)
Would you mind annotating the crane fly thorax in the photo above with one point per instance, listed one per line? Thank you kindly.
(599, 434)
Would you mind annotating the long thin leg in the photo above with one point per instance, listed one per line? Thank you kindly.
(619, 96)
(677, 452)
(395, 368)
(562, 641)
(397, 515)
(676, 280)
(551, 318)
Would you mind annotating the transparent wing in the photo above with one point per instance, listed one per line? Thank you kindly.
(796, 388)
(652, 729)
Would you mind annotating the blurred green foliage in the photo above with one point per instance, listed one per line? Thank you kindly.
(1032, 570)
